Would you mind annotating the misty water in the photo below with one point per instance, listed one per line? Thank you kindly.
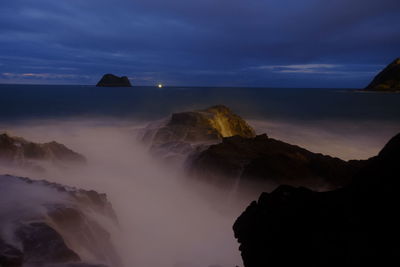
(165, 217)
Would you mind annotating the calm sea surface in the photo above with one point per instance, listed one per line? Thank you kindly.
(56, 101)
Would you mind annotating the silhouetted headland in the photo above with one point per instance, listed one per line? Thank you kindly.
(388, 79)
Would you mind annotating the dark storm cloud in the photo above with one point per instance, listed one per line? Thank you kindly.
(209, 42)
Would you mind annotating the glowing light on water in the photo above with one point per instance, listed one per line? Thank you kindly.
(160, 85)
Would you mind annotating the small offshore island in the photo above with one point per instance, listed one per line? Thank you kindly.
(111, 80)
(388, 80)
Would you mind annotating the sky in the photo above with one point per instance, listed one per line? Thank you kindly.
(257, 43)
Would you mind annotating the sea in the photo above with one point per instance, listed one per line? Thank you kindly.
(54, 101)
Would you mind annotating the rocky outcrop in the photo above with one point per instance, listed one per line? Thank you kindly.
(208, 125)
(19, 152)
(110, 80)
(353, 226)
(388, 79)
(182, 132)
(265, 160)
(47, 224)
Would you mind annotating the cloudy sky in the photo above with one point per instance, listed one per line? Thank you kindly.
(268, 43)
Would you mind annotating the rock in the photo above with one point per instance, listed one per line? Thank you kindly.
(182, 132)
(211, 124)
(110, 80)
(265, 160)
(10, 256)
(48, 224)
(41, 243)
(22, 153)
(388, 79)
(353, 226)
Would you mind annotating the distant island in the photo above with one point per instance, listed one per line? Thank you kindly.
(388, 79)
(111, 80)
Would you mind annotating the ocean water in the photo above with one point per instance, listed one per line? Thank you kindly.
(56, 101)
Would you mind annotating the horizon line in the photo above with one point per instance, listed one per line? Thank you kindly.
(180, 86)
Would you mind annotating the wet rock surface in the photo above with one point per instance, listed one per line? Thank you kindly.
(183, 132)
(53, 225)
(211, 124)
(17, 151)
(353, 226)
(263, 159)
(9, 255)
(41, 243)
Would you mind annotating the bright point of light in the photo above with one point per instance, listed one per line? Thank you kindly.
(160, 85)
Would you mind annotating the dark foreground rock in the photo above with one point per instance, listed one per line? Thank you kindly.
(16, 151)
(183, 131)
(47, 224)
(357, 225)
(110, 80)
(265, 160)
(388, 79)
